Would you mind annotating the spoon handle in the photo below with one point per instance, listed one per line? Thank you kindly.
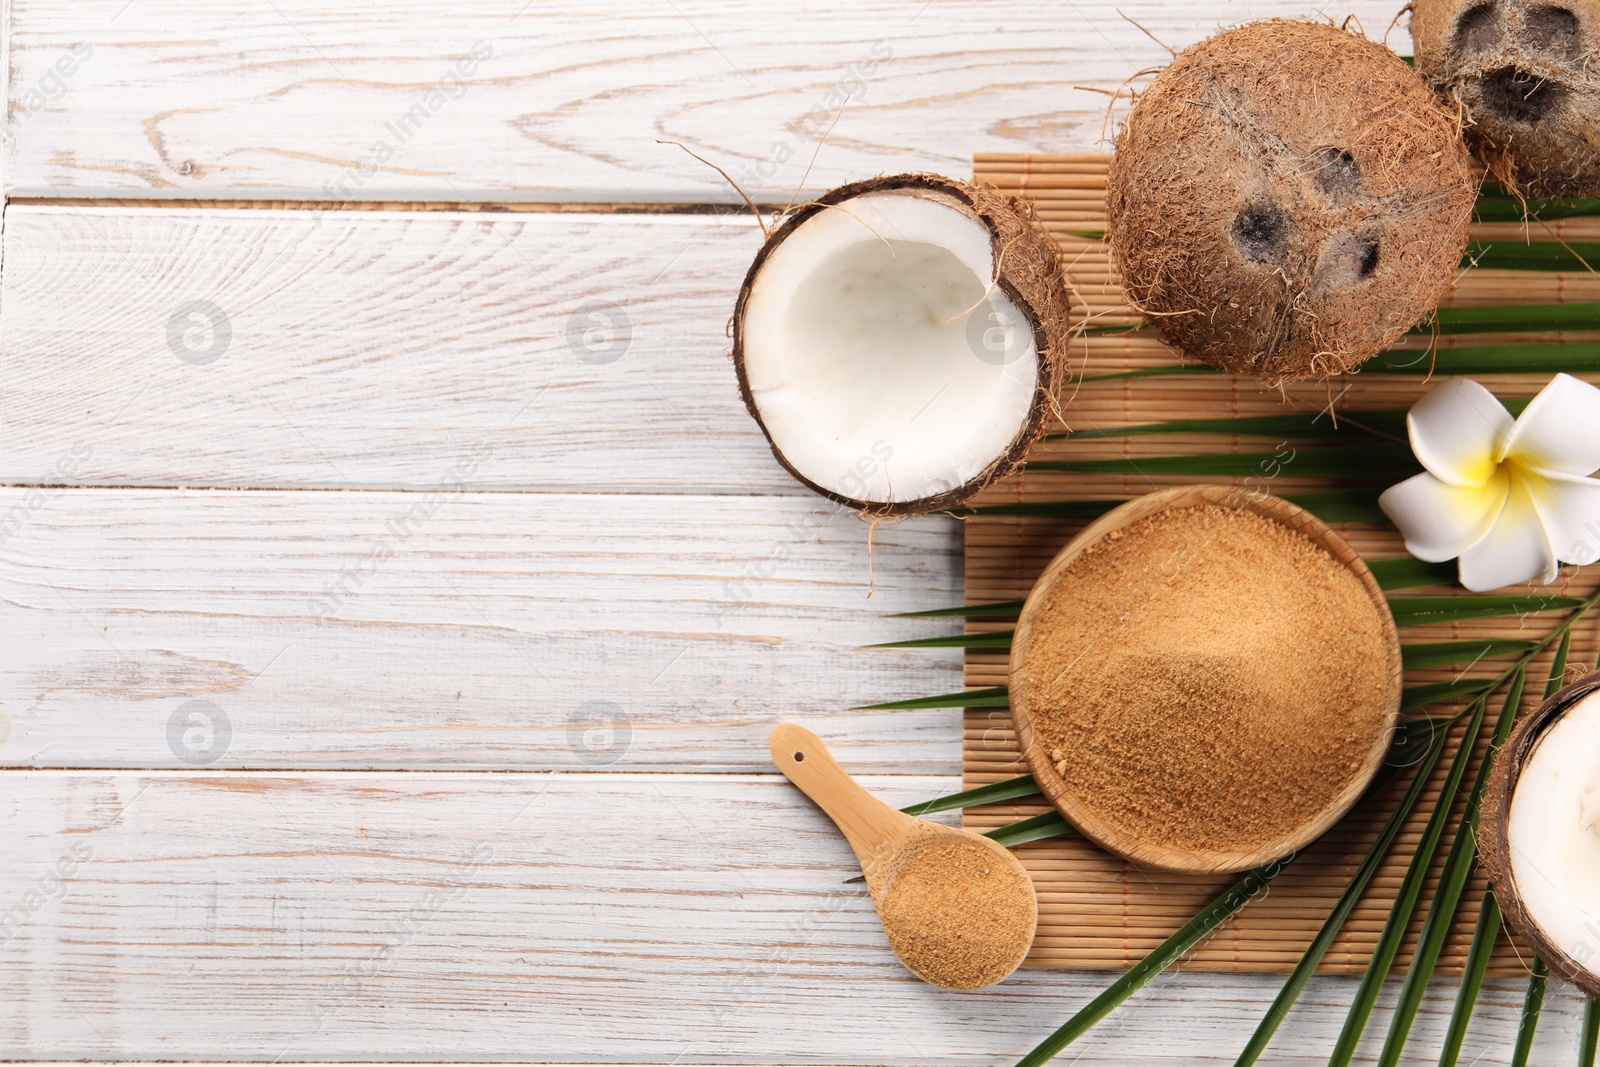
(871, 826)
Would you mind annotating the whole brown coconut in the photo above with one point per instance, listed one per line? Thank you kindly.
(1525, 74)
(1287, 199)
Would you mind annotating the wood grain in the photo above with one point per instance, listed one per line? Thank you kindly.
(362, 350)
(464, 629)
(293, 98)
(534, 917)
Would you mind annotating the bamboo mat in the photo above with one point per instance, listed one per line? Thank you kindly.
(1096, 911)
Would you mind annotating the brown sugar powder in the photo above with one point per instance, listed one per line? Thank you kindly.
(1208, 679)
(957, 916)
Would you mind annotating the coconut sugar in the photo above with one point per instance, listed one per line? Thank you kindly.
(957, 916)
(1208, 679)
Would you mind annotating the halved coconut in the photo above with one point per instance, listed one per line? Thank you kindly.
(1539, 834)
(899, 341)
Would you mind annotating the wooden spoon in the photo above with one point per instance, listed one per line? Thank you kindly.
(958, 907)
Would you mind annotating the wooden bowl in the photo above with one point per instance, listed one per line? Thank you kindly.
(1083, 815)
(1493, 845)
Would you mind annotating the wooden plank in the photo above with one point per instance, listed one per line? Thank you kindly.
(459, 629)
(488, 100)
(570, 918)
(374, 350)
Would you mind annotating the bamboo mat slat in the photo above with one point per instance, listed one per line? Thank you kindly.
(1096, 911)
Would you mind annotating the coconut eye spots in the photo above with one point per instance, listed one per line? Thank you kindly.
(1348, 260)
(1337, 171)
(1477, 29)
(1520, 96)
(1366, 257)
(1260, 231)
(1553, 31)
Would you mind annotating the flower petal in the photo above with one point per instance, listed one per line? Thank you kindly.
(1515, 550)
(1457, 430)
(1569, 507)
(1440, 521)
(1560, 428)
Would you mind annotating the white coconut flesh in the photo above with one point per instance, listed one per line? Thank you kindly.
(1553, 833)
(884, 363)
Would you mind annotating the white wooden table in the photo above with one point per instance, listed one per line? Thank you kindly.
(394, 595)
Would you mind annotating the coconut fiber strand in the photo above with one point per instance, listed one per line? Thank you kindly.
(1096, 911)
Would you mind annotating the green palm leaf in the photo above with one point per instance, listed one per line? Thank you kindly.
(997, 639)
(1532, 1002)
(1299, 426)
(1483, 938)
(1457, 866)
(1445, 653)
(1490, 359)
(1053, 509)
(1420, 696)
(994, 793)
(1495, 205)
(1532, 358)
(998, 609)
(993, 697)
(1408, 572)
(1531, 255)
(1162, 957)
(1307, 966)
(1421, 610)
(1336, 505)
(1037, 828)
(1515, 318)
(1405, 903)
(1164, 371)
(1365, 463)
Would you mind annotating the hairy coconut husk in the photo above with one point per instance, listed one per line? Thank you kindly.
(1029, 274)
(1525, 74)
(1494, 845)
(1287, 199)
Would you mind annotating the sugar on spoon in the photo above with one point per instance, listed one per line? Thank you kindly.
(958, 908)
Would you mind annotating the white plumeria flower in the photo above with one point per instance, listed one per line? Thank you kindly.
(1509, 497)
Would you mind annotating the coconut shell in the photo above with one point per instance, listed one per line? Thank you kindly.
(1030, 276)
(1287, 199)
(1525, 75)
(1494, 846)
